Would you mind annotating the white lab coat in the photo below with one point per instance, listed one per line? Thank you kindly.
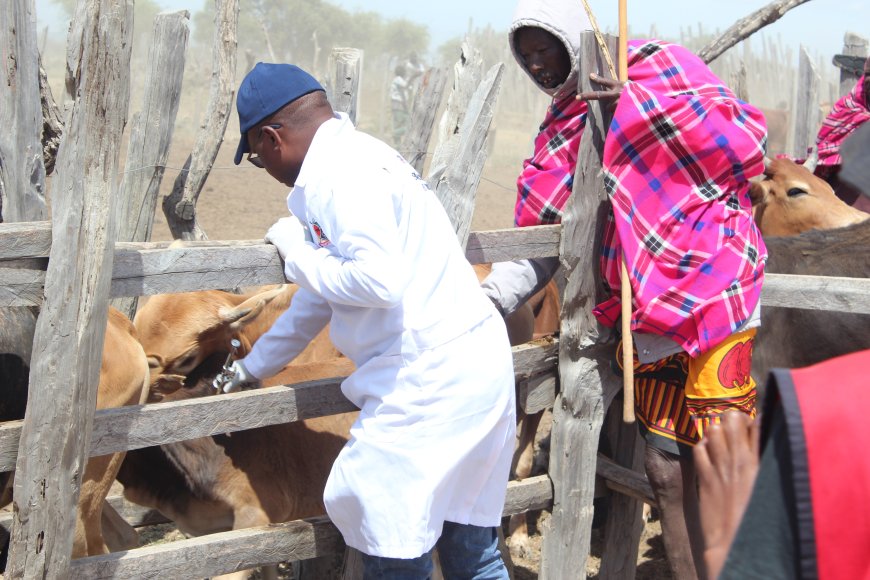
(434, 379)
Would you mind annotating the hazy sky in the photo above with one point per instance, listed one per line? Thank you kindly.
(818, 24)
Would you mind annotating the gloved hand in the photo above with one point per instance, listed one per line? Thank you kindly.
(239, 375)
(287, 234)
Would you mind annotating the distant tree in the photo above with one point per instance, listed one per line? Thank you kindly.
(285, 29)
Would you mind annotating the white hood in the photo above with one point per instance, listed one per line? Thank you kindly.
(564, 19)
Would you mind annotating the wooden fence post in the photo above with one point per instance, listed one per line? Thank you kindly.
(345, 77)
(807, 113)
(65, 365)
(22, 173)
(422, 121)
(179, 207)
(456, 185)
(853, 45)
(151, 134)
(467, 73)
(584, 368)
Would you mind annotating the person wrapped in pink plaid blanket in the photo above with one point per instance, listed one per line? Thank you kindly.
(678, 157)
(847, 114)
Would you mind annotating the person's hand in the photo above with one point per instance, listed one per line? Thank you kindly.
(287, 234)
(609, 97)
(238, 376)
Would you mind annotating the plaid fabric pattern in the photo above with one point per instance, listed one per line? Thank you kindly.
(677, 160)
(846, 115)
(548, 176)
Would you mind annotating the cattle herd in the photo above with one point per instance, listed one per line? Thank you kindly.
(178, 343)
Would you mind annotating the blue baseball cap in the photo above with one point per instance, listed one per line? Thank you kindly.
(264, 91)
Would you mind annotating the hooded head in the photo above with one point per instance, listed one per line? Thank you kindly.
(550, 34)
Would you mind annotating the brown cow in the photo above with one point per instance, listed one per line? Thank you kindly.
(790, 200)
(249, 478)
(123, 381)
(180, 331)
(792, 337)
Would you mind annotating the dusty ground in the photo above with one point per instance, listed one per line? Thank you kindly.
(241, 202)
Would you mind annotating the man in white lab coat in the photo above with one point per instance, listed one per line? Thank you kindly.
(376, 257)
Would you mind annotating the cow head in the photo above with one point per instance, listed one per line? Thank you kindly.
(790, 200)
(181, 331)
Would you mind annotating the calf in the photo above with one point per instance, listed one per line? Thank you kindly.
(124, 379)
(790, 200)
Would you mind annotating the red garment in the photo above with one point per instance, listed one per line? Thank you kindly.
(548, 176)
(825, 409)
(833, 398)
(677, 160)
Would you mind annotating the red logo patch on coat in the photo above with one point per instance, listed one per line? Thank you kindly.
(322, 240)
(735, 365)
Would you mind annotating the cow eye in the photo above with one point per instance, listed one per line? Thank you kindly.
(185, 364)
(796, 191)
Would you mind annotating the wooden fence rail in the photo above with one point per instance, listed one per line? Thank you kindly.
(134, 427)
(147, 268)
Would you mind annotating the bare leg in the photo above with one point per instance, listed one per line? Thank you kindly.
(727, 463)
(673, 482)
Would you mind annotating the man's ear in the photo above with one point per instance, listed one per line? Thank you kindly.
(271, 136)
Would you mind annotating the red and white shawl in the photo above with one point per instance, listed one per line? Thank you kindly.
(846, 115)
(678, 158)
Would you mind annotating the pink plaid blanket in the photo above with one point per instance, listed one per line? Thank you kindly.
(677, 162)
(846, 115)
(678, 157)
(545, 183)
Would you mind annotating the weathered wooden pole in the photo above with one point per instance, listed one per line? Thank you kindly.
(625, 281)
(22, 172)
(179, 207)
(853, 45)
(345, 78)
(422, 122)
(455, 136)
(67, 347)
(456, 185)
(747, 26)
(584, 356)
(151, 134)
(807, 113)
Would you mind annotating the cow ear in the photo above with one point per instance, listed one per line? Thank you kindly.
(246, 312)
(155, 361)
(757, 193)
(164, 385)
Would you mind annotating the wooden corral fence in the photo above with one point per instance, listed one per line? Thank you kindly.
(86, 268)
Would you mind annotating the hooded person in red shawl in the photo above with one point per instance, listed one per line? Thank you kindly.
(677, 162)
(847, 114)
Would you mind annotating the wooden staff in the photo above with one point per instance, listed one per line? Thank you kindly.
(625, 282)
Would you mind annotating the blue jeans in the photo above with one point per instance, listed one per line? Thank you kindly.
(466, 552)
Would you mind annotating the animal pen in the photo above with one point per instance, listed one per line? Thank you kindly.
(72, 266)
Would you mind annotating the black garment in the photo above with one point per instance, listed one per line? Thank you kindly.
(766, 543)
